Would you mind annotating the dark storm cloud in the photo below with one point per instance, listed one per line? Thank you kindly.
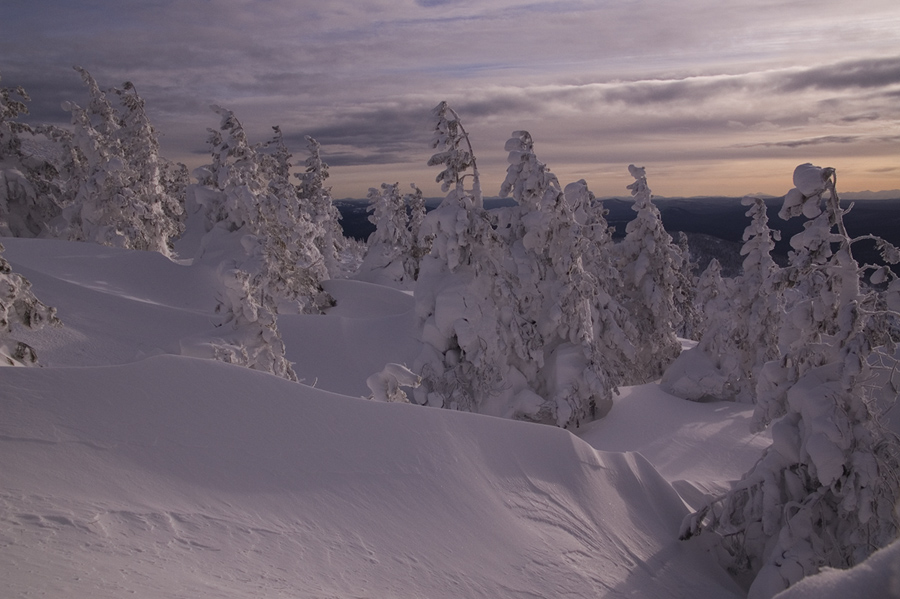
(856, 118)
(373, 127)
(433, 3)
(871, 73)
(686, 90)
(824, 140)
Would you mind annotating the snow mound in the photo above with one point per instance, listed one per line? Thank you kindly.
(120, 306)
(698, 447)
(878, 576)
(179, 477)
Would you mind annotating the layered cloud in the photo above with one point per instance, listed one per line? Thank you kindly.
(693, 89)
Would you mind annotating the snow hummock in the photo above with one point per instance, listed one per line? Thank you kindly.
(129, 469)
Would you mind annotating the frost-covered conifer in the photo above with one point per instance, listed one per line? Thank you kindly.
(246, 191)
(711, 295)
(391, 248)
(577, 344)
(318, 205)
(613, 328)
(649, 263)
(252, 216)
(454, 151)
(742, 322)
(28, 188)
(120, 192)
(685, 292)
(420, 244)
(552, 293)
(757, 301)
(19, 306)
(824, 493)
(698, 374)
(249, 334)
(462, 362)
(514, 324)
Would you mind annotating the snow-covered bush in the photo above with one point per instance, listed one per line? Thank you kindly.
(118, 190)
(28, 187)
(248, 335)
(19, 306)
(386, 384)
(824, 493)
(650, 263)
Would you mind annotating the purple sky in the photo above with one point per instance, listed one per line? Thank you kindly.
(713, 97)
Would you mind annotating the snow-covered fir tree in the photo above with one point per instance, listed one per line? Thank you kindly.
(613, 328)
(454, 151)
(711, 295)
(19, 307)
(742, 321)
(247, 206)
(28, 186)
(685, 292)
(318, 205)
(247, 192)
(650, 263)
(824, 493)
(513, 322)
(555, 295)
(462, 362)
(420, 244)
(119, 191)
(757, 302)
(391, 247)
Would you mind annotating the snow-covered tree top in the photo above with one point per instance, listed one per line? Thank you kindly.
(454, 152)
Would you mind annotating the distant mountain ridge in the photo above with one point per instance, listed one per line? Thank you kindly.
(714, 225)
(890, 194)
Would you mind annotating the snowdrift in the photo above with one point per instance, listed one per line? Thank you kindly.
(179, 477)
(128, 469)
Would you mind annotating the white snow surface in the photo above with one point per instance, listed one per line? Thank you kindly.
(127, 469)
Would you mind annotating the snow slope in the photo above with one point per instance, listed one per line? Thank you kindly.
(127, 469)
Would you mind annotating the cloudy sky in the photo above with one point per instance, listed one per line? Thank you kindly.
(714, 97)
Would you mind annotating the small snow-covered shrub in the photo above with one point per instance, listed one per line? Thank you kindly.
(19, 306)
(386, 384)
(28, 183)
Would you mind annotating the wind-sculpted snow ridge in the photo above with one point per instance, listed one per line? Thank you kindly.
(179, 477)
